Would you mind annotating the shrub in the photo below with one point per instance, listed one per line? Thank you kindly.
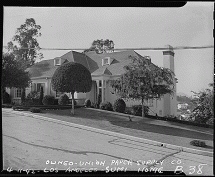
(41, 95)
(55, 101)
(87, 103)
(137, 110)
(128, 110)
(35, 110)
(106, 106)
(198, 143)
(93, 105)
(63, 100)
(30, 102)
(119, 105)
(33, 95)
(22, 95)
(48, 100)
(6, 98)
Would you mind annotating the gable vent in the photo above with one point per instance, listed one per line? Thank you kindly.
(57, 61)
(106, 61)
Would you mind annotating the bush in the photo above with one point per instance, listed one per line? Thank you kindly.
(48, 100)
(6, 98)
(41, 95)
(128, 110)
(55, 101)
(198, 143)
(35, 110)
(87, 103)
(106, 106)
(33, 95)
(119, 105)
(63, 100)
(137, 110)
(30, 102)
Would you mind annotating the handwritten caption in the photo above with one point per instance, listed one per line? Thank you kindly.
(117, 165)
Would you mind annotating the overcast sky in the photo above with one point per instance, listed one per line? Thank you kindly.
(128, 27)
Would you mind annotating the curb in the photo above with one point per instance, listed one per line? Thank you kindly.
(156, 143)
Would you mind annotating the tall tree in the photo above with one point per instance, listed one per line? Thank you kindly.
(143, 80)
(101, 46)
(72, 77)
(26, 38)
(205, 105)
(12, 73)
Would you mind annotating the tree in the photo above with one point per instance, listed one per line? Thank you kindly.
(12, 74)
(72, 77)
(143, 80)
(41, 96)
(101, 46)
(25, 37)
(205, 105)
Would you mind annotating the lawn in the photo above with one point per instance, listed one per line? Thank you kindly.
(156, 130)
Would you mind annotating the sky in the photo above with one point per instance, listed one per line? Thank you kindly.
(128, 27)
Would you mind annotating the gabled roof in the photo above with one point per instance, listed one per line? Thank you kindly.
(44, 68)
(91, 60)
(118, 61)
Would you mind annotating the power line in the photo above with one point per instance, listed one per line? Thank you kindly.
(147, 48)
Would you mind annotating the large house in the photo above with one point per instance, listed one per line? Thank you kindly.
(103, 68)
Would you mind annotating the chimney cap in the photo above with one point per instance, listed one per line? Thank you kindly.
(168, 48)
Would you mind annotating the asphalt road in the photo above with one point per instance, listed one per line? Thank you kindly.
(44, 144)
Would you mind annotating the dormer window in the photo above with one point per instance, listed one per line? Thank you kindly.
(106, 61)
(57, 61)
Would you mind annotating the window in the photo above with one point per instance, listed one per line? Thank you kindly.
(17, 93)
(106, 61)
(57, 61)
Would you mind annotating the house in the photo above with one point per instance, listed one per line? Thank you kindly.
(103, 67)
(182, 105)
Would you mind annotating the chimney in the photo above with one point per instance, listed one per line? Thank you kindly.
(169, 101)
(168, 57)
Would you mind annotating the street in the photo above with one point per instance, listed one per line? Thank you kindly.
(37, 144)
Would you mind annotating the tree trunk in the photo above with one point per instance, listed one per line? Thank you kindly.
(73, 104)
(143, 114)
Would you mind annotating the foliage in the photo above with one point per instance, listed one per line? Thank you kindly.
(12, 73)
(25, 37)
(6, 98)
(30, 102)
(106, 106)
(137, 110)
(87, 103)
(35, 110)
(205, 106)
(41, 95)
(22, 95)
(72, 77)
(33, 95)
(63, 100)
(101, 46)
(119, 105)
(48, 100)
(143, 80)
(198, 143)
